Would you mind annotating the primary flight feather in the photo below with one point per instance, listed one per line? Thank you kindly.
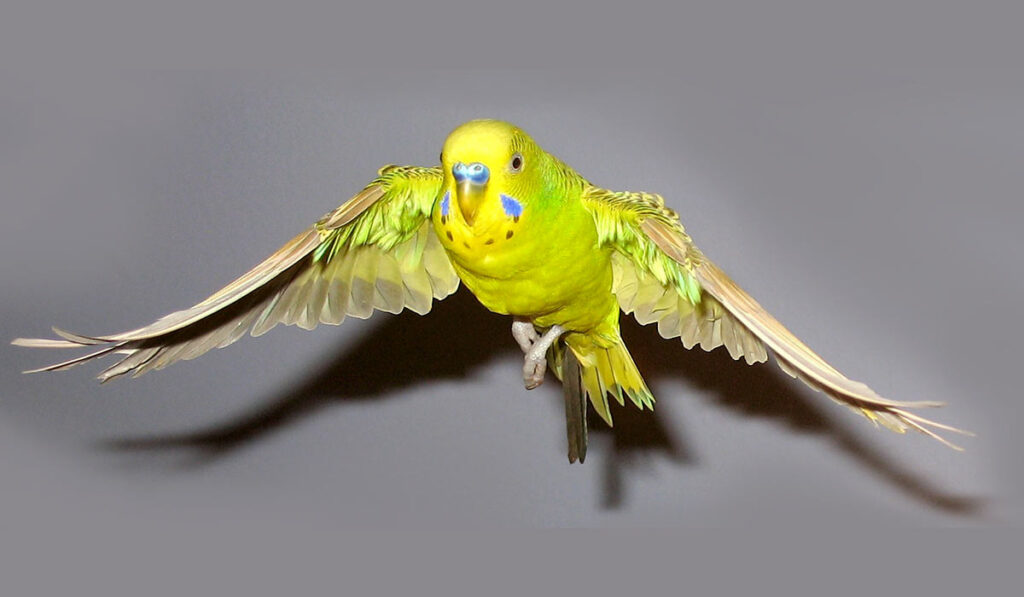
(530, 238)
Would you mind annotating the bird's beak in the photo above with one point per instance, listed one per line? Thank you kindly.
(470, 187)
(470, 195)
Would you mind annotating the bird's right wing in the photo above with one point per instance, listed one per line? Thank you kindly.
(377, 251)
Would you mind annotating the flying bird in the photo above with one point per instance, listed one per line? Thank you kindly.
(530, 238)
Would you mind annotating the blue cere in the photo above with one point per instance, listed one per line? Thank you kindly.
(446, 203)
(511, 206)
(475, 172)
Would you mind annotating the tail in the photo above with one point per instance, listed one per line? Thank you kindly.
(603, 371)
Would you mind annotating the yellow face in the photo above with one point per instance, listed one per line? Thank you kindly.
(484, 164)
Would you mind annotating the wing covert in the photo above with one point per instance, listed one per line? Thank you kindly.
(653, 274)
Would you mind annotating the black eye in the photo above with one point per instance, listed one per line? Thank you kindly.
(517, 163)
(440, 157)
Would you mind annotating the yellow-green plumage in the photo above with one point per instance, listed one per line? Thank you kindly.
(530, 238)
(548, 264)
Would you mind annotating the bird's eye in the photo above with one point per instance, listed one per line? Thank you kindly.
(440, 157)
(517, 163)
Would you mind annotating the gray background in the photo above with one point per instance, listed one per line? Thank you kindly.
(872, 205)
(871, 214)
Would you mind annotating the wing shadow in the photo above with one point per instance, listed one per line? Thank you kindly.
(364, 372)
(765, 391)
(367, 373)
(636, 438)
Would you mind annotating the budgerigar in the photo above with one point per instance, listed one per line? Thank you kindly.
(530, 238)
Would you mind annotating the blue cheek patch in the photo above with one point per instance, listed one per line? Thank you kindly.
(512, 207)
(446, 203)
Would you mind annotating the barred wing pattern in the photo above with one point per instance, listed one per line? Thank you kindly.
(660, 276)
(375, 252)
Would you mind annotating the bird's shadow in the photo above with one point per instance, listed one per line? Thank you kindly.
(637, 437)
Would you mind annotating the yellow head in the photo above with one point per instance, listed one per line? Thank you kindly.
(489, 162)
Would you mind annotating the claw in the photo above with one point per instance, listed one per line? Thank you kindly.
(535, 363)
(533, 370)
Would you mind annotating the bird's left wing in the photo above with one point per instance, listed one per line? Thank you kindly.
(377, 251)
(660, 276)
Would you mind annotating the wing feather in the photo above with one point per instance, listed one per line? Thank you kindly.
(376, 252)
(661, 277)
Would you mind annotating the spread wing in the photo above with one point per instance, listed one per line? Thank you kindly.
(660, 276)
(377, 251)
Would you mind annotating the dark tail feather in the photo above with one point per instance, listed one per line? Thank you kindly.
(575, 408)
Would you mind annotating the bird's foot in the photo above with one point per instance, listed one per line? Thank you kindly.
(535, 364)
(524, 333)
(534, 368)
